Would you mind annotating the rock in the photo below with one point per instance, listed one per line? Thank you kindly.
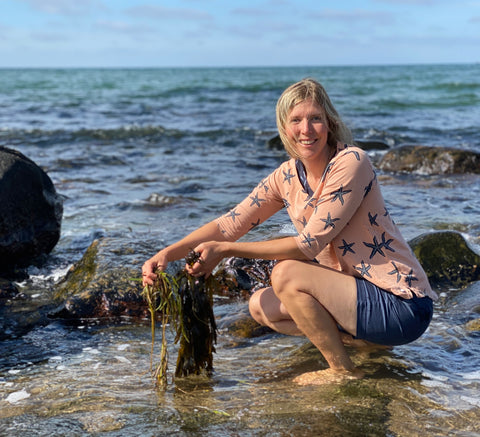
(430, 160)
(372, 145)
(473, 325)
(104, 284)
(31, 211)
(8, 290)
(275, 143)
(446, 259)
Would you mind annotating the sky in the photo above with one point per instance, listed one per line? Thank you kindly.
(225, 33)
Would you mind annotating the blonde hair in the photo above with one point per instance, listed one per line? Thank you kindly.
(310, 89)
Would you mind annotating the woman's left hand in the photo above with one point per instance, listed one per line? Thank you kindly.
(210, 254)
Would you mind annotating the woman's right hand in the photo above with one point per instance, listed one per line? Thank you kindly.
(156, 262)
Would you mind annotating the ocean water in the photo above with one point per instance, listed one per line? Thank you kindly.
(154, 153)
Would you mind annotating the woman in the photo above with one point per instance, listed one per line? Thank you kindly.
(348, 276)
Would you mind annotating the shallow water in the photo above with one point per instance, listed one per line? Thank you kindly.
(150, 155)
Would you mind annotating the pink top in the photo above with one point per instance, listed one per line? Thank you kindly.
(343, 224)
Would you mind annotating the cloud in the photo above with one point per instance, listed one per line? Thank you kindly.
(160, 12)
(65, 7)
(355, 16)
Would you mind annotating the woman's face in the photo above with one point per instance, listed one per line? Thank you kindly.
(306, 128)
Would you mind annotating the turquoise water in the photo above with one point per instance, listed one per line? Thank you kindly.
(154, 153)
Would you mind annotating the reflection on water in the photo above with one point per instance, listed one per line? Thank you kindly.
(95, 379)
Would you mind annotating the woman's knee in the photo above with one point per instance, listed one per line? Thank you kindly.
(282, 274)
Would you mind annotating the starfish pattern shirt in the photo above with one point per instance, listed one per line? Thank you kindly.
(342, 224)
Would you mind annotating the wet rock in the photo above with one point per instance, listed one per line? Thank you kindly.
(446, 259)
(105, 283)
(8, 290)
(430, 160)
(275, 143)
(31, 211)
(372, 145)
(473, 325)
(243, 276)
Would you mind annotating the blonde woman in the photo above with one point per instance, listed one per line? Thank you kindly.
(348, 276)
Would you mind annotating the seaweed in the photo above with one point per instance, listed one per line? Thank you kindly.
(185, 304)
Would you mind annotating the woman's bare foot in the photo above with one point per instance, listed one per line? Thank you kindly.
(327, 376)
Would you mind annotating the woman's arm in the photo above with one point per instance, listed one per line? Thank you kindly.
(178, 250)
(212, 252)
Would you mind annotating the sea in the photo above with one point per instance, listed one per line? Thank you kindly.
(153, 153)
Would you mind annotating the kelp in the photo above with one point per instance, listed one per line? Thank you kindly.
(185, 304)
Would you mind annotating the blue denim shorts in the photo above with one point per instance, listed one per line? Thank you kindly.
(387, 319)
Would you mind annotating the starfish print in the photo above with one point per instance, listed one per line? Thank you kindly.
(339, 194)
(409, 278)
(347, 247)
(303, 221)
(395, 272)
(364, 269)
(357, 155)
(310, 202)
(254, 225)
(308, 195)
(286, 203)
(263, 184)
(256, 200)
(233, 214)
(367, 189)
(386, 213)
(329, 221)
(288, 176)
(386, 244)
(308, 240)
(373, 219)
(376, 247)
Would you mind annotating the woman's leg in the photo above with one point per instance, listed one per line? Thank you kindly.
(312, 300)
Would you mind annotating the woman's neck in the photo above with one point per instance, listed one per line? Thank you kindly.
(315, 169)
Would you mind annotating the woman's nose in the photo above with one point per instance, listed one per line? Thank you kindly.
(305, 125)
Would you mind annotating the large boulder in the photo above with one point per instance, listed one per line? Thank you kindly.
(447, 259)
(32, 211)
(430, 160)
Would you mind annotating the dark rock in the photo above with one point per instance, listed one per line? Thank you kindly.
(31, 211)
(275, 143)
(243, 276)
(372, 145)
(8, 289)
(446, 259)
(430, 160)
(104, 284)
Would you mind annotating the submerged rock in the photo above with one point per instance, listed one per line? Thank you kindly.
(446, 259)
(430, 160)
(31, 211)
